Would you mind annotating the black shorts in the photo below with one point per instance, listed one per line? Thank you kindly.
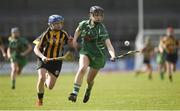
(172, 58)
(146, 61)
(53, 67)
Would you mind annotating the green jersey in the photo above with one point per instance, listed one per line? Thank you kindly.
(17, 46)
(160, 57)
(93, 37)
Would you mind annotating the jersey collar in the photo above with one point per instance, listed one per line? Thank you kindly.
(90, 25)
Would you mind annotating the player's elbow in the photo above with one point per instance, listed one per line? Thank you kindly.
(30, 47)
(82, 70)
(35, 49)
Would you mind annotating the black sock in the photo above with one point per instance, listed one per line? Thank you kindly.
(13, 83)
(89, 87)
(40, 95)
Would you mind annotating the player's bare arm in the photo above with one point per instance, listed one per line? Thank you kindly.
(70, 41)
(76, 35)
(110, 48)
(38, 52)
(8, 53)
(3, 51)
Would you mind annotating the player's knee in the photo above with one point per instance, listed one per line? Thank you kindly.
(82, 70)
(13, 70)
(41, 78)
(18, 70)
(50, 87)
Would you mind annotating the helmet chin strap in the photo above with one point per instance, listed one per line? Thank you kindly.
(51, 27)
(54, 29)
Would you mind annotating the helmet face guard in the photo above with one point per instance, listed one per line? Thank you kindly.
(55, 18)
(96, 10)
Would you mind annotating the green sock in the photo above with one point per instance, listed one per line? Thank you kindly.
(162, 74)
(76, 89)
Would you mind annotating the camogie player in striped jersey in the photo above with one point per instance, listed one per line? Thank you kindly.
(171, 46)
(50, 45)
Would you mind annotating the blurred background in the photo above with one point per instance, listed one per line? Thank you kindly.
(121, 20)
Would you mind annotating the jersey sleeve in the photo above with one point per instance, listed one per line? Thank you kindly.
(103, 33)
(10, 42)
(66, 37)
(41, 40)
(81, 25)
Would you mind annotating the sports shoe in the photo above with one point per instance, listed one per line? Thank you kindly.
(39, 102)
(86, 96)
(72, 97)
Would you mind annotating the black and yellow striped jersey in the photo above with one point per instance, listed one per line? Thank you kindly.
(147, 51)
(170, 44)
(52, 42)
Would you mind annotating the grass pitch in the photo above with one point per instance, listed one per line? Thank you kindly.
(112, 91)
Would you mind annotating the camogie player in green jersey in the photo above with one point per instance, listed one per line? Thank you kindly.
(160, 58)
(92, 53)
(17, 51)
